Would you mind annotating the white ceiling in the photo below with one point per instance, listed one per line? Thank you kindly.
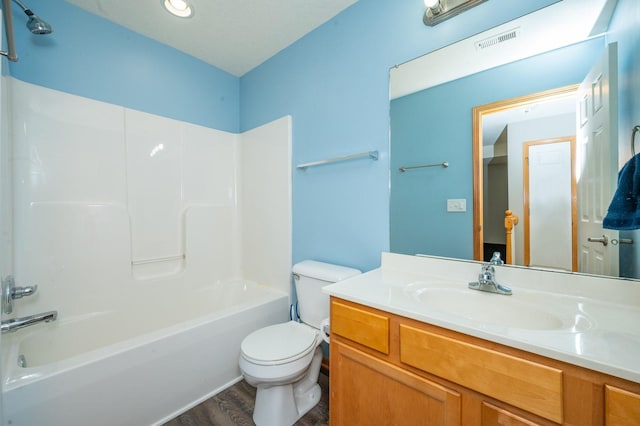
(233, 35)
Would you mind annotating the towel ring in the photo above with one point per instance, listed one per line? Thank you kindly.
(635, 130)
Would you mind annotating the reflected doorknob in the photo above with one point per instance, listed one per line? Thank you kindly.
(604, 240)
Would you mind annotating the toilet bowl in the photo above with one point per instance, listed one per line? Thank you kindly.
(283, 361)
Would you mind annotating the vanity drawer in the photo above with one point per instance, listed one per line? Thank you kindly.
(364, 327)
(530, 386)
(621, 407)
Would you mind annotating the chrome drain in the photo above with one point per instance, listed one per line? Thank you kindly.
(22, 361)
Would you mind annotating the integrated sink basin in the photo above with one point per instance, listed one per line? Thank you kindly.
(584, 320)
(527, 310)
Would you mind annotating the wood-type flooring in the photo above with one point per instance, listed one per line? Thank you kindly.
(234, 407)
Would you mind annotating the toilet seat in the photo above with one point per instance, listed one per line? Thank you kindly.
(279, 344)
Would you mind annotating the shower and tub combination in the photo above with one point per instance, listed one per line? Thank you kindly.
(160, 244)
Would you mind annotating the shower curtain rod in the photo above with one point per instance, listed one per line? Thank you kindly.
(8, 30)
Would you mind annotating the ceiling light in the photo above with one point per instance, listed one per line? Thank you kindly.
(178, 7)
(441, 10)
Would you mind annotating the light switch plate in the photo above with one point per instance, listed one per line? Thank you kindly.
(456, 205)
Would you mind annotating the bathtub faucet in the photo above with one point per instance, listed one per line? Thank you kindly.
(18, 323)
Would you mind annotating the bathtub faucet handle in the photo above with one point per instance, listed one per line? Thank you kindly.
(10, 293)
(20, 292)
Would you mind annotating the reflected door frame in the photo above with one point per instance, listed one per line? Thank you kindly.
(478, 113)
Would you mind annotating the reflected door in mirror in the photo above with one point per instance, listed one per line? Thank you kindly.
(596, 171)
(550, 204)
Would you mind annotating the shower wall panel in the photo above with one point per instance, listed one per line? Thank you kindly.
(265, 197)
(173, 166)
(108, 200)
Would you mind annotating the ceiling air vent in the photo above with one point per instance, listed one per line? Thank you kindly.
(497, 39)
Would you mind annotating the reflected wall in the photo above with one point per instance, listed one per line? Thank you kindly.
(434, 125)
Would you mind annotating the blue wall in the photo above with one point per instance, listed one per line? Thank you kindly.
(334, 82)
(435, 125)
(95, 58)
(625, 30)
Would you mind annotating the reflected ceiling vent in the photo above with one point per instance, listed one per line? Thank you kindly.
(498, 39)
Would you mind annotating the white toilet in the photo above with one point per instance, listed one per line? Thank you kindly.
(283, 361)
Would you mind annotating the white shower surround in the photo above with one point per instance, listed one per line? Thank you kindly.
(114, 207)
(91, 194)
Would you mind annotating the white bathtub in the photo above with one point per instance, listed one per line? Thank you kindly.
(133, 366)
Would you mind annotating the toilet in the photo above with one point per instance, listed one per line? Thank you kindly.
(283, 361)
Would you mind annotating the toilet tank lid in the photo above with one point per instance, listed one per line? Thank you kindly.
(324, 271)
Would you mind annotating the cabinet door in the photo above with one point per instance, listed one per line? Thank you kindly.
(367, 391)
(621, 407)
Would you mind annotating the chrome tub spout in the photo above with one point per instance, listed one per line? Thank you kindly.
(18, 323)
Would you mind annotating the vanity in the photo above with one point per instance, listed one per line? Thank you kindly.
(412, 344)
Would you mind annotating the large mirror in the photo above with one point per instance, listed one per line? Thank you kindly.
(453, 176)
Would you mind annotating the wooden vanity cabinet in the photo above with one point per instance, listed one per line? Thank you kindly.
(391, 370)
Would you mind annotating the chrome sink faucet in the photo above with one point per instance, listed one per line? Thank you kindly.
(486, 278)
(18, 323)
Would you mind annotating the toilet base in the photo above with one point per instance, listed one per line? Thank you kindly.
(308, 400)
(283, 405)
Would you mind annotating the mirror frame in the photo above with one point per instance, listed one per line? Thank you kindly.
(478, 113)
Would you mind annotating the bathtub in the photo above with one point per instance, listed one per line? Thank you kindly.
(131, 366)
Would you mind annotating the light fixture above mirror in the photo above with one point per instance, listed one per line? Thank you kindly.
(440, 10)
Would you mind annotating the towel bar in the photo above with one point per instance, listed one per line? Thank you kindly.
(405, 168)
(371, 154)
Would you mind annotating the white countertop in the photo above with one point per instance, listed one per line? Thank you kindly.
(593, 322)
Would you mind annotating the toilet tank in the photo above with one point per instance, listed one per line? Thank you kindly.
(310, 276)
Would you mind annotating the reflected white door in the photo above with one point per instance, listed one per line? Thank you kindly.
(596, 171)
(548, 202)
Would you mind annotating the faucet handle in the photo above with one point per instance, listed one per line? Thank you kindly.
(495, 259)
(20, 292)
(487, 273)
(10, 293)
